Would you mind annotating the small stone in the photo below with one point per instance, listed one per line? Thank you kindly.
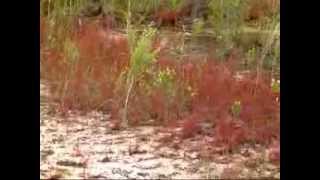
(105, 117)
(194, 155)
(143, 138)
(98, 177)
(251, 163)
(105, 159)
(49, 130)
(176, 146)
(162, 176)
(47, 152)
(55, 177)
(245, 153)
(114, 126)
(78, 129)
(142, 174)
(71, 163)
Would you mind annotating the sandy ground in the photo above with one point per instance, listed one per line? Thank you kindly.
(83, 147)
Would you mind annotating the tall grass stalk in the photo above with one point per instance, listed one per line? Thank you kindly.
(226, 17)
(271, 43)
(141, 57)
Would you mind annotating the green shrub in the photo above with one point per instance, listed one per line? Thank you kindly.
(226, 17)
(141, 58)
(197, 27)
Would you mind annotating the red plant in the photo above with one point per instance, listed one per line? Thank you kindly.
(190, 127)
(274, 154)
(90, 81)
(166, 17)
(108, 22)
(231, 132)
(169, 17)
(260, 8)
(158, 106)
(51, 63)
(216, 91)
(206, 90)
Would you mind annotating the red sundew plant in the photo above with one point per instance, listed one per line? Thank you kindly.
(50, 64)
(274, 154)
(217, 89)
(149, 101)
(231, 132)
(108, 22)
(107, 58)
(213, 90)
(260, 110)
(166, 17)
(88, 81)
(158, 106)
(190, 127)
(261, 8)
(191, 91)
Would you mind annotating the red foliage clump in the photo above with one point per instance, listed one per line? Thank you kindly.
(214, 90)
(190, 127)
(274, 154)
(261, 8)
(260, 110)
(217, 90)
(204, 91)
(231, 132)
(166, 17)
(89, 82)
(52, 63)
(108, 22)
(164, 63)
(158, 106)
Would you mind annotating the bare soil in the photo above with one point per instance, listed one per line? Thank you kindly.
(83, 147)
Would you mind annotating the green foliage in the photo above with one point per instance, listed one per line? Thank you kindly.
(197, 27)
(144, 6)
(226, 18)
(58, 32)
(165, 80)
(270, 55)
(275, 86)
(276, 55)
(59, 19)
(70, 51)
(61, 8)
(175, 4)
(142, 56)
(251, 56)
(236, 108)
(139, 9)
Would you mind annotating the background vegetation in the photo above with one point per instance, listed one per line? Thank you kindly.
(115, 56)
